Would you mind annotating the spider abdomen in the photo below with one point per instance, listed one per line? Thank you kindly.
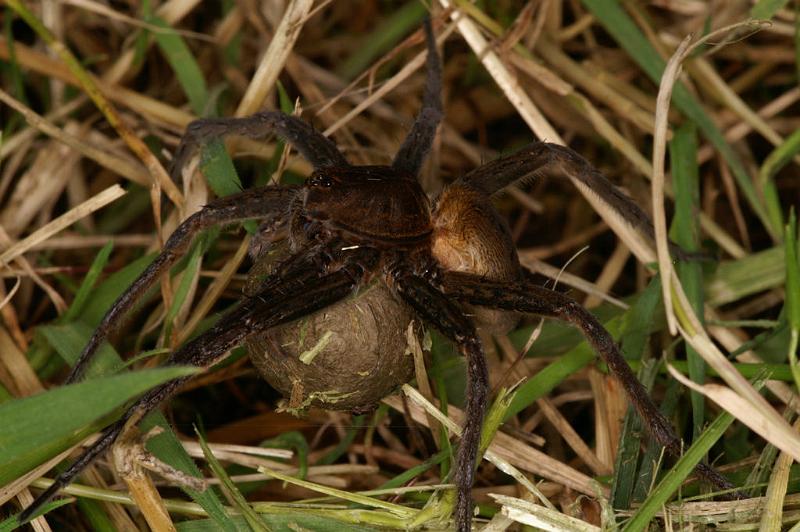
(470, 236)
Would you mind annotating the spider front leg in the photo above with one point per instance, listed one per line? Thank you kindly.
(296, 290)
(529, 298)
(261, 202)
(419, 140)
(255, 203)
(316, 148)
(435, 308)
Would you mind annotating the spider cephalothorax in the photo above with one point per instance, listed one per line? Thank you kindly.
(348, 229)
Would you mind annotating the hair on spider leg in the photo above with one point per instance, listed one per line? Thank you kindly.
(372, 230)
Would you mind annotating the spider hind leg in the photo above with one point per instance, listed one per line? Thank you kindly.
(436, 309)
(529, 298)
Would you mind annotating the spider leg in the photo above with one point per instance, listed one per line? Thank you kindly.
(529, 298)
(316, 148)
(436, 309)
(420, 139)
(536, 157)
(253, 203)
(297, 290)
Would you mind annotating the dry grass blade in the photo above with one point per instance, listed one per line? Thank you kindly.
(506, 448)
(117, 164)
(539, 517)
(400, 511)
(194, 448)
(274, 58)
(504, 78)
(387, 86)
(12, 489)
(781, 435)
(127, 455)
(150, 107)
(11, 292)
(136, 145)
(771, 519)
(502, 464)
(91, 205)
(668, 79)
(671, 73)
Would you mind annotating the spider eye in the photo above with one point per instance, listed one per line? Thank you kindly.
(320, 180)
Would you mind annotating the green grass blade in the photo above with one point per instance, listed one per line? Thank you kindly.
(636, 334)
(341, 448)
(179, 298)
(168, 448)
(626, 465)
(639, 319)
(180, 58)
(96, 515)
(652, 458)
(69, 339)
(286, 521)
(36, 428)
(217, 167)
(264, 175)
(549, 377)
(85, 290)
(775, 161)
(231, 491)
(613, 17)
(793, 294)
(766, 9)
(12, 523)
(685, 232)
(104, 295)
(295, 441)
(675, 476)
(408, 475)
(736, 279)
(383, 37)
(556, 372)
(398, 510)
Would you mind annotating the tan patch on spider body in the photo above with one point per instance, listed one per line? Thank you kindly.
(470, 236)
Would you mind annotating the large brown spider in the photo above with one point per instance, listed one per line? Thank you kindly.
(349, 226)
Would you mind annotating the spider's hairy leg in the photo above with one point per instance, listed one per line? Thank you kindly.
(529, 298)
(296, 290)
(255, 203)
(540, 157)
(316, 148)
(437, 310)
(419, 140)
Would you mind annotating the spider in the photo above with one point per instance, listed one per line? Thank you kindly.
(349, 226)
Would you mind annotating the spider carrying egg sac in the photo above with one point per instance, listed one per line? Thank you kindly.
(348, 356)
(351, 355)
